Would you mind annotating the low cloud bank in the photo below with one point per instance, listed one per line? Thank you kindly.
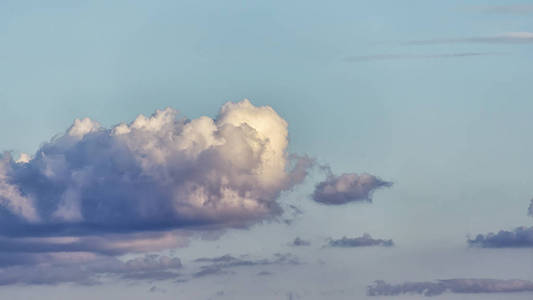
(459, 286)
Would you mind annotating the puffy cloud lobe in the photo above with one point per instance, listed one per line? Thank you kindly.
(363, 241)
(460, 286)
(521, 237)
(156, 172)
(347, 188)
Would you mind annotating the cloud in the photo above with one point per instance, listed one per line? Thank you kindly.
(128, 187)
(363, 58)
(516, 9)
(221, 265)
(364, 241)
(521, 237)
(459, 286)
(505, 38)
(85, 268)
(350, 187)
(300, 242)
(95, 193)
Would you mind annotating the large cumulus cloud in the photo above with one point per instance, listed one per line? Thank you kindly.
(158, 171)
(144, 186)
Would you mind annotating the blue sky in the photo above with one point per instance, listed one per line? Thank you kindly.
(433, 96)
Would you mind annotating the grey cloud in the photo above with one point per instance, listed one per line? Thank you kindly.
(521, 237)
(459, 286)
(264, 273)
(300, 242)
(506, 38)
(378, 57)
(363, 241)
(223, 264)
(347, 188)
(530, 208)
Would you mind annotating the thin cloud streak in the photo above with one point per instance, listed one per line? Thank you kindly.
(456, 286)
(506, 38)
(378, 57)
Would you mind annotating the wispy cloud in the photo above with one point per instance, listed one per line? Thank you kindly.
(458, 286)
(223, 264)
(363, 58)
(516, 9)
(521, 237)
(506, 38)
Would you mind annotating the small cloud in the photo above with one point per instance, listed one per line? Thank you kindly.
(300, 242)
(350, 187)
(530, 208)
(364, 241)
(221, 265)
(521, 237)
(264, 273)
(155, 289)
(458, 286)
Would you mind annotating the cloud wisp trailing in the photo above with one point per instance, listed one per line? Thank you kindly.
(379, 57)
(363, 241)
(505, 38)
(457, 286)
(345, 188)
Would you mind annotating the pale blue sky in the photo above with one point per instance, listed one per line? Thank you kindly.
(452, 133)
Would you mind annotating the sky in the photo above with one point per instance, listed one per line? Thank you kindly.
(266, 149)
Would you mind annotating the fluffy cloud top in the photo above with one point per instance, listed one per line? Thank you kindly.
(460, 286)
(346, 188)
(363, 241)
